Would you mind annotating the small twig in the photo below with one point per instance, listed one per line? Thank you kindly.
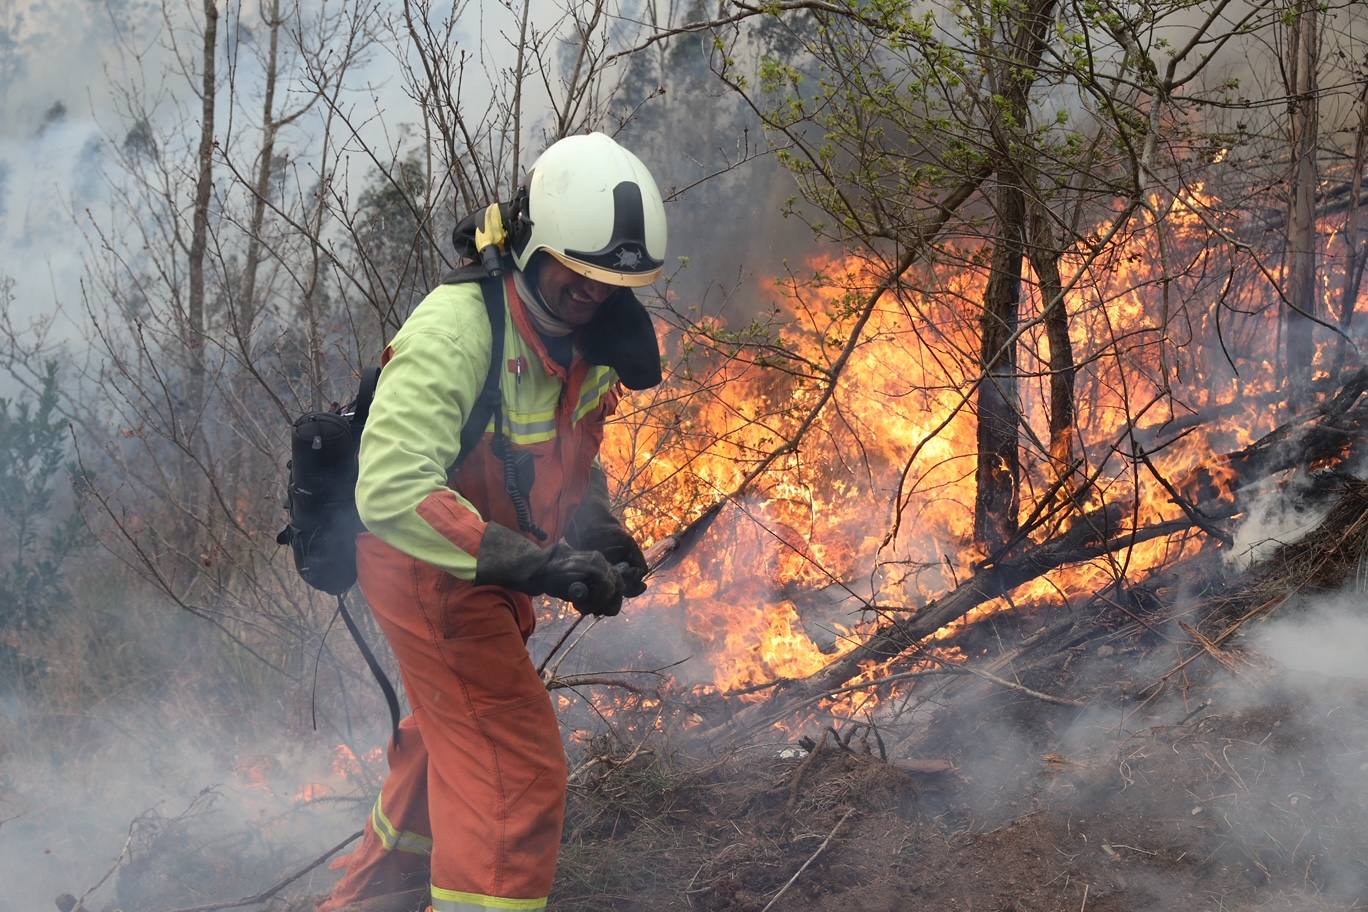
(638, 751)
(883, 750)
(802, 769)
(1019, 688)
(565, 653)
(273, 890)
(79, 904)
(1120, 845)
(842, 741)
(595, 680)
(1211, 648)
(810, 860)
(1003, 682)
(541, 669)
(1196, 709)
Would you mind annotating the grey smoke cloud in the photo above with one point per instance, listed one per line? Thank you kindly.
(1328, 638)
(67, 811)
(1274, 517)
(53, 56)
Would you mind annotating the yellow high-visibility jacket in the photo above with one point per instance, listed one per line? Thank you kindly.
(433, 371)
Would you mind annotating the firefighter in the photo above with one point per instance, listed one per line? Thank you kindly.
(474, 800)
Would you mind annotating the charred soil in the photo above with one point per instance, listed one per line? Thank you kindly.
(1240, 810)
(1194, 773)
(1140, 750)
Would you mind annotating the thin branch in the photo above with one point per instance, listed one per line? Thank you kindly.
(272, 890)
(813, 857)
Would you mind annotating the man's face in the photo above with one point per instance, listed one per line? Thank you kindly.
(569, 295)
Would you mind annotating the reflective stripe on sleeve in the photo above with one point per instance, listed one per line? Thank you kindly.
(392, 838)
(456, 901)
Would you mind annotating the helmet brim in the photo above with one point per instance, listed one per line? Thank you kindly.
(607, 276)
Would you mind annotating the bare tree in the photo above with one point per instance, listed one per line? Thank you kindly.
(1301, 307)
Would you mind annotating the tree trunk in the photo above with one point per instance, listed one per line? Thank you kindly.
(1300, 285)
(246, 310)
(999, 408)
(188, 425)
(998, 472)
(195, 329)
(1043, 252)
(1353, 256)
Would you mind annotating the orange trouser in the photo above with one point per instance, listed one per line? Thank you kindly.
(477, 782)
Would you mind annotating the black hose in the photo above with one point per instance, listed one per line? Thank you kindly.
(391, 698)
(515, 492)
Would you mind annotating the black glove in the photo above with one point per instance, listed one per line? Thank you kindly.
(583, 578)
(595, 528)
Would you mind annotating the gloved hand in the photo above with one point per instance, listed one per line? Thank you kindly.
(595, 528)
(509, 560)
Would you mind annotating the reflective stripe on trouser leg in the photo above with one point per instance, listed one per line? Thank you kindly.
(376, 868)
(455, 901)
(496, 767)
(393, 838)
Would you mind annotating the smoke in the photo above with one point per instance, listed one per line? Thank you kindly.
(1249, 784)
(52, 90)
(1325, 640)
(186, 818)
(141, 738)
(1223, 776)
(1275, 516)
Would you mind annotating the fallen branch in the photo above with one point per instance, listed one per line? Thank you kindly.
(813, 857)
(1094, 534)
(1192, 513)
(796, 783)
(1323, 433)
(1012, 685)
(272, 890)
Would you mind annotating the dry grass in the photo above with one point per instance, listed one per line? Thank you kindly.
(1329, 558)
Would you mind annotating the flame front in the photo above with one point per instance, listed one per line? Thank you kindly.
(900, 427)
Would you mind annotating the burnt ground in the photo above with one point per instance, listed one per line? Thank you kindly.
(1195, 764)
(1236, 810)
(1201, 772)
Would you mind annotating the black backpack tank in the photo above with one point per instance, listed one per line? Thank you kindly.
(323, 466)
(323, 526)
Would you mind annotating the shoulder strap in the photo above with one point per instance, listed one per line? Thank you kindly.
(470, 272)
(487, 404)
(365, 395)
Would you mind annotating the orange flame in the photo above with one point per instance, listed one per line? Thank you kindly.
(1147, 351)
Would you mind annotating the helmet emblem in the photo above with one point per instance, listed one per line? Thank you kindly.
(628, 259)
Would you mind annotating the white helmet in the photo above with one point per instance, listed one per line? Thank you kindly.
(593, 206)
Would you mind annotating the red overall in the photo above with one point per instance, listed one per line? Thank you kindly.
(475, 796)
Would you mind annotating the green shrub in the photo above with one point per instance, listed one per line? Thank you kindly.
(39, 530)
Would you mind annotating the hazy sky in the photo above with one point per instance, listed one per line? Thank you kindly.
(79, 53)
(49, 52)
